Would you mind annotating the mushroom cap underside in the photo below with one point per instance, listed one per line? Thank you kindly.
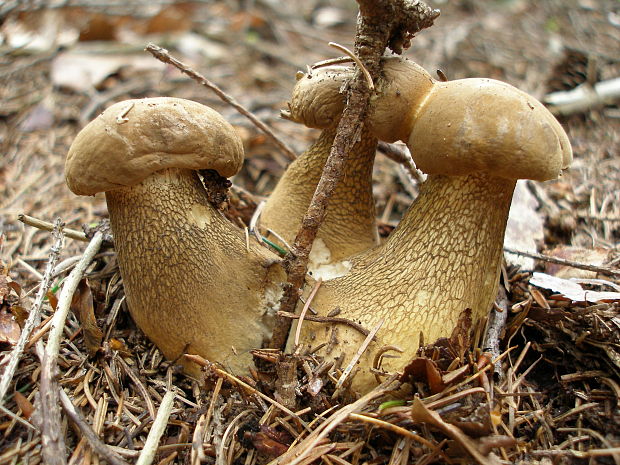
(135, 138)
(486, 126)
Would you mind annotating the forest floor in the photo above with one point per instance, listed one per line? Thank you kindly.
(555, 396)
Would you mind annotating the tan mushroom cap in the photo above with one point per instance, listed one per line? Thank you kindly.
(135, 138)
(317, 100)
(401, 91)
(486, 126)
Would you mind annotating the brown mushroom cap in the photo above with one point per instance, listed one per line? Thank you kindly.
(486, 126)
(135, 138)
(401, 91)
(317, 100)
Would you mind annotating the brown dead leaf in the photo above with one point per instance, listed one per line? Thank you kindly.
(82, 307)
(24, 404)
(245, 19)
(459, 339)
(15, 286)
(420, 413)
(425, 370)
(99, 27)
(120, 347)
(9, 329)
(539, 298)
(269, 441)
(173, 18)
(20, 314)
(53, 300)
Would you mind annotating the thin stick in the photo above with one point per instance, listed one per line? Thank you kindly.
(349, 53)
(162, 55)
(17, 418)
(305, 309)
(402, 157)
(46, 226)
(497, 321)
(91, 437)
(328, 319)
(562, 261)
(397, 429)
(157, 429)
(357, 356)
(47, 414)
(202, 426)
(66, 294)
(377, 27)
(34, 316)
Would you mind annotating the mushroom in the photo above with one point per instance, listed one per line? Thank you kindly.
(474, 138)
(192, 283)
(350, 225)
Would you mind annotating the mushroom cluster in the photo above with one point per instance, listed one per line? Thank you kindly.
(193, 283)
(474, 138)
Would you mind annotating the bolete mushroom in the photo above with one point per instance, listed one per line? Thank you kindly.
(350, 225)
(192, 283)
(474, 138)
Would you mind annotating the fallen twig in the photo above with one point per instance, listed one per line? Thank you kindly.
(496, 324)
(357, 356)
(563, 261)
(162, 55)
(402, 157)
(47, 414)
(327, 319)
(34, 316)
(584, 97)
(157, 429)
(46, 226)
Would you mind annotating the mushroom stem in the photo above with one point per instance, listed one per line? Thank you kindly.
(442, 259)
(192, 285)
(349, 226)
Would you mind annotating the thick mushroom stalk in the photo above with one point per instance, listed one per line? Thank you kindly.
(192, 283)
(350, 225)
(474, 138)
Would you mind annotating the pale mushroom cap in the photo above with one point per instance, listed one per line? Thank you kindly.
(135, 138)
(317, 99)
(487, 126)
